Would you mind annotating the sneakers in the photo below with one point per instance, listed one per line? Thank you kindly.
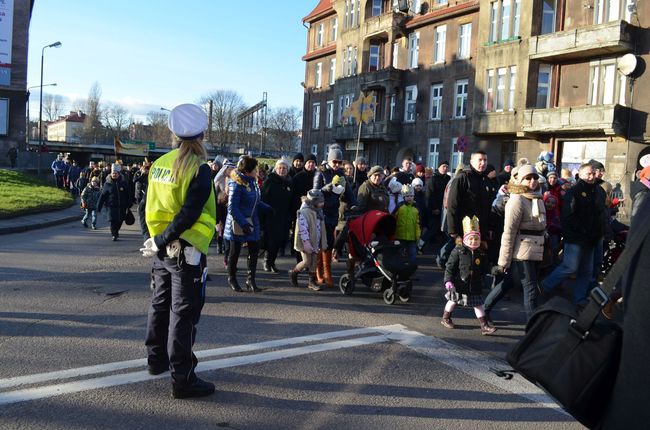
(114, 238)
(199, 388)
(94, 227)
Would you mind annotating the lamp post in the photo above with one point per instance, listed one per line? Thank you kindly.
(40, 107)
(27, 133)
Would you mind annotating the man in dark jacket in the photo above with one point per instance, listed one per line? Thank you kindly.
(360, 173)
(117, 198)
(297, 164)
(504, 176)
(332, 189)
(405, 175)
(435, 192)
(141, 180)
(468, 196)
(583, 224)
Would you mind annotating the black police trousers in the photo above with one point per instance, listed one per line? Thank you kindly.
(173, 315)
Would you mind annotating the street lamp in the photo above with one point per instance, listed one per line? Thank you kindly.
(165, 109)
(40, 108)
(27, 115)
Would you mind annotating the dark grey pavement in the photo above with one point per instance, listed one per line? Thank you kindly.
(40, 220)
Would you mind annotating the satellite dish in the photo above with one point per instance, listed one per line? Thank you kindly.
(627, 64)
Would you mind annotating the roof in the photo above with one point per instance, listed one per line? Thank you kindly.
(73, 117)
(320, 52)
(323, 9)
(446, 12)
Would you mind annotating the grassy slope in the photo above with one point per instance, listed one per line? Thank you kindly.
(22, 194)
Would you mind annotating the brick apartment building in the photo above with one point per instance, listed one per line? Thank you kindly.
(512, 77)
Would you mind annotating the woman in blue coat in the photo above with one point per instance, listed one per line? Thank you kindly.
(243, 222)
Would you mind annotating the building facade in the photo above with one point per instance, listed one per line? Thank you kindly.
(512, 77)
(68, 128)
(14, 28)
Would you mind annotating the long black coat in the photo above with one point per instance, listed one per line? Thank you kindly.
(468, 196)
(583, 214)
(300, 185)
(467, 270)
(276, 192)
(116, 196)
(435, 191)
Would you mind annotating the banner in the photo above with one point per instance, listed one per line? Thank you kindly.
(6, 40)
(140, 149)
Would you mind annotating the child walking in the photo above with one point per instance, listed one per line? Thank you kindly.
(464, 275)
(408, 222)
(309, 237)
(89, 198)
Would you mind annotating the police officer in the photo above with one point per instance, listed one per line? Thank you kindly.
(180, 216)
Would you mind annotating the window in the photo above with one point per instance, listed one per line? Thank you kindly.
(436, 102)
(494, 19)
(314, 149)
(606, 87)
(335, 29)
(543, 87)
(393, 106)
(489, 96)
(395, 54)
(414, 49)
(332, 71)
(434, 155)
(315, 116)
(351, 13)
(513, 86)
(373, 61)
(456, 155)
(377, 7)
(548, 16)
(505, 19)
(350, 61)
(329, 114)
(440, 1)
(516, 18)
(318, 75)
(415, 6)
(501, 88)
(439, 44)
(319, 34)
(460, 101)
(464, 39)
(344, 102)
(410, 96)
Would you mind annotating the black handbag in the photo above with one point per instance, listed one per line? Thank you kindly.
(129, 219)
(574, 356)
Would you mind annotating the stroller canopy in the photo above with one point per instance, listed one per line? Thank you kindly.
(371, 223)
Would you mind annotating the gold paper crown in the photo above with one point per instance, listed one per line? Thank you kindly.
(470, 225)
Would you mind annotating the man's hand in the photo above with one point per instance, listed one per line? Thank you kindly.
(247, 229)
(150, 249)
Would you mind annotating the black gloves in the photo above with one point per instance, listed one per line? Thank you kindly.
(247, 229)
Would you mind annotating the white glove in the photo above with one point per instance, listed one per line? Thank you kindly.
(150, 249)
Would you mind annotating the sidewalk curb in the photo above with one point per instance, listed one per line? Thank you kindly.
(27, 227)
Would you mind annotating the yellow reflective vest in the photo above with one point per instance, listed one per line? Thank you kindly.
(165, 198)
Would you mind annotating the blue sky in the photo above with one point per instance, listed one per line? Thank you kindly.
(151, 53)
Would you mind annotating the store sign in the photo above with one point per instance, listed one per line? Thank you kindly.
(6, 40)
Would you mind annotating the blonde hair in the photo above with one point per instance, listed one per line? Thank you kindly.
(191, 154)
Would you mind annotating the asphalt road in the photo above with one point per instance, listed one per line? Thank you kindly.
(73, 318)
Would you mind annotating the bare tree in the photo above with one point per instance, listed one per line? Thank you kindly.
(52, 106)
(283, 129)
(116, 119)
(159, 131)
(226, 105)
(92, 123)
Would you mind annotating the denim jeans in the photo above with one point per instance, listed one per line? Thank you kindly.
(576, 259)
(92, 214)
(527, 272)
(411, 250)
(445, 251)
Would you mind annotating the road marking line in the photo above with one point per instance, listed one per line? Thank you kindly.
(129, 378)
(236, 349)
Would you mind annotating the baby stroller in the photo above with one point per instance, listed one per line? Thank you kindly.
(381, 263)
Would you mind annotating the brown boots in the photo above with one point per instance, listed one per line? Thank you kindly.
(446, 320)
(320, 280)
(313, 285)
(486, 328)
(327, 269)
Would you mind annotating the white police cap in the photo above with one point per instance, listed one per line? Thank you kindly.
(187, 120)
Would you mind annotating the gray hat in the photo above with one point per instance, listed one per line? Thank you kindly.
(334, 153)
(116, 168)
(315, 196)
(375, 170)
(360, 160)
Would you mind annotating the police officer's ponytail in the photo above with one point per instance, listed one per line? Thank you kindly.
(191, 154)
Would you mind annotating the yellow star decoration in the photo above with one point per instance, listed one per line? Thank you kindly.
(362, 109)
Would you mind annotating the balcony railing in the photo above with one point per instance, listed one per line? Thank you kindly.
(383, 23)
(584, 42)
(608, 119)
(376, 78)
(378, 130)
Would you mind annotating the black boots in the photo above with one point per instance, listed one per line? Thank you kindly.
(293, 278)
(232, 278)
(199, 388)
(252, 269)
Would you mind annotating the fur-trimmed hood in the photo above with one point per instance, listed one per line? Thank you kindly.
(514, 188)
(241, 179)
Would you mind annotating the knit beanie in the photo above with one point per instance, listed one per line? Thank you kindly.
(298, 156)
(375, 170)
(334, 153)
(407, 191)
(315, 196)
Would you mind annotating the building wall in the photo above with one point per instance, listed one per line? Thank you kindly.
(16, 91)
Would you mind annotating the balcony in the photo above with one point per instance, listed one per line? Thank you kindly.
(607, 119)
(584, 42)
(383, 78)
(488, 123)
(384, 23)
(379, 130)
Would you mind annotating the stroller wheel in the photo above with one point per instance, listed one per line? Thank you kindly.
(346, 284)
(389, 296)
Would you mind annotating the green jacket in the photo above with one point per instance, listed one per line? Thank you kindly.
(408, 222)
